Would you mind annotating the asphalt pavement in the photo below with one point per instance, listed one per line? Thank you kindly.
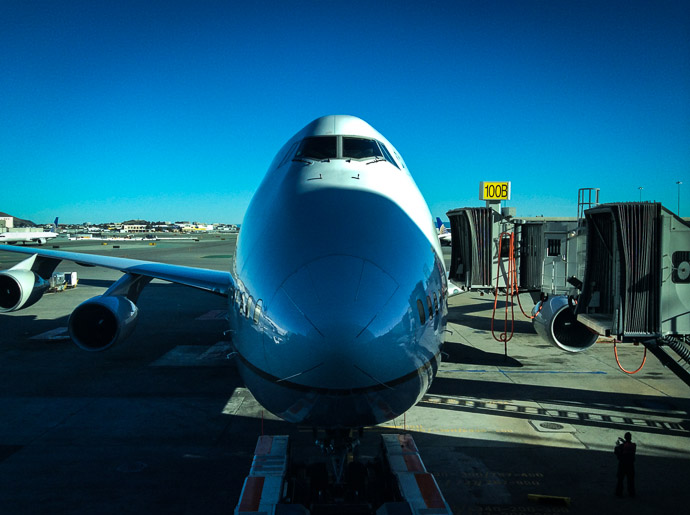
(162, 423)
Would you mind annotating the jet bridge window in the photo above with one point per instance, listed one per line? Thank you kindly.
(318, 147)
(553, 247)
(360, 148)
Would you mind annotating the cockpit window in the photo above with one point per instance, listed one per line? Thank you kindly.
(318, 147)
(360, 148)
(388, 157)
(289, 154)
(323, 148)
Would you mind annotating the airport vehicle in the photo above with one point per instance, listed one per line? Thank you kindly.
(329, 330)
(30, 237)
(444, 236)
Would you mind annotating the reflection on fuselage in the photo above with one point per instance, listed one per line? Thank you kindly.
(328, 327)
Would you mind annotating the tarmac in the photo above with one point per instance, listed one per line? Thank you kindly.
(162, 423)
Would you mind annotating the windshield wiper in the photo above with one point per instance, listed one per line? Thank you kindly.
(377, 159)
(312, 160)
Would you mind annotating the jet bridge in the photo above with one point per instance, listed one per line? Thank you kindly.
(636, 285)
(540, 256)
(546, 252)
(619, 269)
(472, 232)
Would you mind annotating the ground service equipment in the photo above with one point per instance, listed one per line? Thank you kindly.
(393, 483)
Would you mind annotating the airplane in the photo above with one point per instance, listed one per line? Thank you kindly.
(443, 235)
(331, 330)
(28, 237)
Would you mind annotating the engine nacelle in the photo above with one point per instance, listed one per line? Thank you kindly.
(20, 288)
(102, 321)
(557, 324)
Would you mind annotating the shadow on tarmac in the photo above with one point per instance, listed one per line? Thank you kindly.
(466, 315)
(98, 283)
(459, 353)
(481, 476)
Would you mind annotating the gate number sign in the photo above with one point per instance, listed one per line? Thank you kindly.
(494, 190)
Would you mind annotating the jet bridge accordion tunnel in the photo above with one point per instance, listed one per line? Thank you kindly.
(472, 236)
(542, 250)
(636, 284)
(476, 266)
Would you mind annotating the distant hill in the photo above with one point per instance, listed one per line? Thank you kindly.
(19, 222)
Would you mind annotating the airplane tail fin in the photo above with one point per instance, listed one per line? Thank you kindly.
(55, 225)
(440, 226)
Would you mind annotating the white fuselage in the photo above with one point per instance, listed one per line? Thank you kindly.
(339, 327)
(26, 237)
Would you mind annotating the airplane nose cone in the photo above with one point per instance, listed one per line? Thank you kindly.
(328, 310)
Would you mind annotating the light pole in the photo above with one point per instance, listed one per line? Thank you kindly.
(678, 183)
(640, 188)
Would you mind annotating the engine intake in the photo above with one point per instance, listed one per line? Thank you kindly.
(19, 289)
(557, 324)
(102, 321)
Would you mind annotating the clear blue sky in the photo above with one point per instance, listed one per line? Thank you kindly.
(173, 110)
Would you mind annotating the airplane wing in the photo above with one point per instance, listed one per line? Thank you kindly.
(215, 281)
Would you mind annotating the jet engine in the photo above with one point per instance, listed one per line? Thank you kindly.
(102, 321)
(20, 288)
(557, 324)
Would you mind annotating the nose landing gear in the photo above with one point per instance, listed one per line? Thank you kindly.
(340, 446)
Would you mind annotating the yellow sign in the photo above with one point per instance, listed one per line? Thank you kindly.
(494, 190)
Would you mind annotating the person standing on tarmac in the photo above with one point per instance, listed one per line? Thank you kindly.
(625, 452)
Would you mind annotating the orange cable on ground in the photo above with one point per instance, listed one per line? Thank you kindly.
(512, 290)
(644, 359)
(523, 311)
(510, 281)
(517, 286)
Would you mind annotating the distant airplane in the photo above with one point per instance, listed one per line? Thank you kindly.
(443, 235)
(336, 329)
(30, 237)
